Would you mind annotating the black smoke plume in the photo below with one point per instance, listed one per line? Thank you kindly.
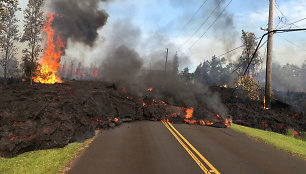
(123, 65)
(79, 20)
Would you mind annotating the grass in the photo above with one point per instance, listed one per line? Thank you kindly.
(283, 142)
(44, 161)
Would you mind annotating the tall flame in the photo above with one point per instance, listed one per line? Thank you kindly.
(52, 55)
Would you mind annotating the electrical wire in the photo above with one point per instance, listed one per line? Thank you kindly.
(291, 42)
(200, 26)
(293, 23)
(190, 20)
(234, 49)
(211, 24)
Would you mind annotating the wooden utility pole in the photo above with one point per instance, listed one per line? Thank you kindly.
(166, 60)
(268, 91)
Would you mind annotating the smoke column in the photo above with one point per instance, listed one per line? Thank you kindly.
(79, 21)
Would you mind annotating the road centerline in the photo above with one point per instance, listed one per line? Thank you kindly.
(205, 170)
(195, 150)
(181, 138)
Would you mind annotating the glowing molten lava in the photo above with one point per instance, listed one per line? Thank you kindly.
(52, 55)
(189, 112)
(264, 103)
(150, 89)
(228, 122)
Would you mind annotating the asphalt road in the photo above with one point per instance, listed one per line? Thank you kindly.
(150, 148)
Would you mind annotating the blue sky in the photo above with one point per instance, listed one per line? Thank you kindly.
(165, 19)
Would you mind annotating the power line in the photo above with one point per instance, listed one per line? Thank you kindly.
(274, 31)
(283, 16)
(257, 49)
(291, 42)
(202, 5)
(230, 51)
(286, 19)
(278, 8)
(294, 22)
(211, 24)
(234, 49)
(202, 24)
(265, 54)
(260, 37)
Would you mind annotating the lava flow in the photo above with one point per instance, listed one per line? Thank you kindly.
(189, 112)
(52, 55)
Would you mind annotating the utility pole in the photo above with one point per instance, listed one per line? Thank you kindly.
(268, 91)
(166, 60)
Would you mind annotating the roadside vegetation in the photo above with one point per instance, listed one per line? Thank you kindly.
(284, 142)
(50, 161)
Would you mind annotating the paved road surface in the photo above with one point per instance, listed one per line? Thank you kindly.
(150, 148)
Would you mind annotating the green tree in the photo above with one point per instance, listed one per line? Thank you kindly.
(8, 38)
(34, 21)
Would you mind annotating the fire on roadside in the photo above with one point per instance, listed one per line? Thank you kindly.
(52, 55)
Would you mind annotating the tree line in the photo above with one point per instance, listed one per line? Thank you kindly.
(220, 72)
(10, 37)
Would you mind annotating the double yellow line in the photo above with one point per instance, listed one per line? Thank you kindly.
(180, 139)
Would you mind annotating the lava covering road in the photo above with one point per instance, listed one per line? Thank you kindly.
(47, 116)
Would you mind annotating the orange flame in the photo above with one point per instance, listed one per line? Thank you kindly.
(189, 112)
(150, 89)
(219, 116)
(116, 119)
(264, 102)
(251, 76)
(95, 73)
(52, 55)
(228, 122)
(202, 122)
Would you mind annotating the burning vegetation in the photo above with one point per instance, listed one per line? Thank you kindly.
(47, 72)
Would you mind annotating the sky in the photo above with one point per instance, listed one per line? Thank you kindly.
(167, 19)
